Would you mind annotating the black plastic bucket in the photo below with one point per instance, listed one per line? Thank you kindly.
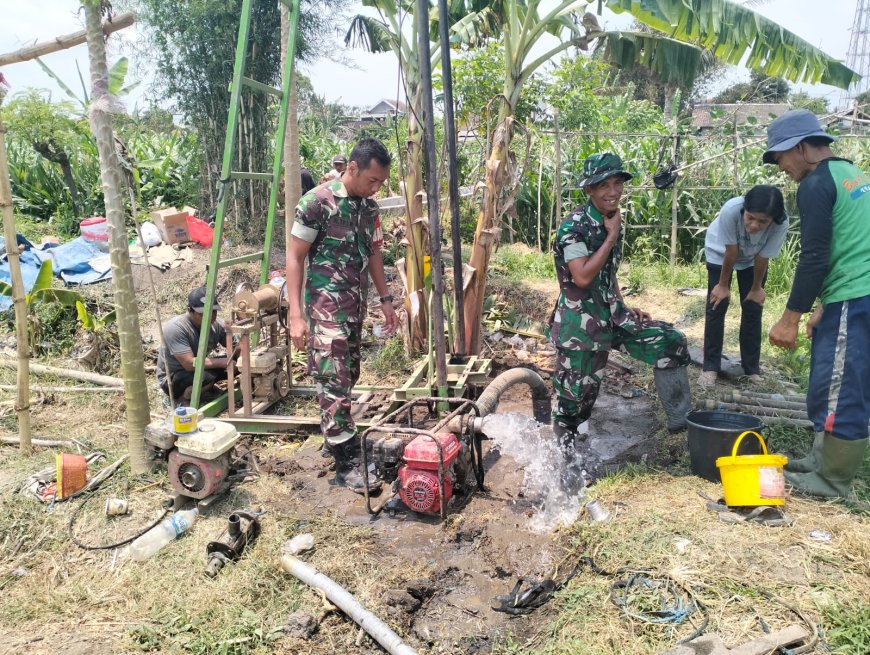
(712, 435)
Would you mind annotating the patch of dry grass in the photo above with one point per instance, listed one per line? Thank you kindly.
(729, 567)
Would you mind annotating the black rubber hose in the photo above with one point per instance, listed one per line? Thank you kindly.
(75, 514)
(541, 403)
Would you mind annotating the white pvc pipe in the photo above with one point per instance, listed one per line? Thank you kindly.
(345, 601)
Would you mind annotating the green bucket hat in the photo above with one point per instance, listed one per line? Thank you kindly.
(600, 166)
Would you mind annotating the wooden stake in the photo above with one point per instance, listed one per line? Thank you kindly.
(22, 404)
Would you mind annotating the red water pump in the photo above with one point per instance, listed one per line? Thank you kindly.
(410, 464)
(418, 478)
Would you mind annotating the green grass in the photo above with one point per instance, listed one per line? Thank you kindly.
(519, 262)
(848, 629)
(389, 359)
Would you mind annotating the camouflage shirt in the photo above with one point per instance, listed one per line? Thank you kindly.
(582, 318)
(343, 232)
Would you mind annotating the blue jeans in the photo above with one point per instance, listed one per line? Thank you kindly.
(838, 399)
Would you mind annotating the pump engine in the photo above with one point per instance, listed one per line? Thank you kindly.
(410, 462)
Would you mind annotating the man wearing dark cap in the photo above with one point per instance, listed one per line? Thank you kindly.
(180, 344)
(833, 201)
(591, 318)
(339, 165)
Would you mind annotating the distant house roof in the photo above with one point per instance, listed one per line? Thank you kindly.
(707, 115)
(388, 107)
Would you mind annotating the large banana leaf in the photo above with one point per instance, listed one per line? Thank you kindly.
(42, 291)
(370, 34)
(732, 32)
(673, 61)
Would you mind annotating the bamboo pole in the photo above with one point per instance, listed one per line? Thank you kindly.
(84, 376)
(43, 443)
(119, 22)
(675, 203)
(56, 389)
(22, 404)
(540, 183)
(557, 176)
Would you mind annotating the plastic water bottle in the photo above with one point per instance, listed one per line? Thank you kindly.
(161, 534)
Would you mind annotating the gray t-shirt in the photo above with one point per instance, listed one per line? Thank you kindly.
(182, 336)
(728, 229)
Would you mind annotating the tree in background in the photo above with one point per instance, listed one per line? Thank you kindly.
(50, 129)
(193, 44)
(396, 31)
(760, 88)
(728, 30)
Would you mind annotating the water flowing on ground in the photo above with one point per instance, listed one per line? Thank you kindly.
(554, 483)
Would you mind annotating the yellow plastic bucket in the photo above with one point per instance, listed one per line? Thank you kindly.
(752, 480)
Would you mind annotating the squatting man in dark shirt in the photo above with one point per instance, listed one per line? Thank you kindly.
(180, 345)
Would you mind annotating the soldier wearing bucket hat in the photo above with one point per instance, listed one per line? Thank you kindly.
(833, 201)
(591, 318)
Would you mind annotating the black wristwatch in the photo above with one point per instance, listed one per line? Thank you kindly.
(387, 298)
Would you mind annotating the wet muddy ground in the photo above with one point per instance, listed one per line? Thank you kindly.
(483, 547)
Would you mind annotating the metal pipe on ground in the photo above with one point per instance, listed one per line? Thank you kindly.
(452, 176)
(739, 397)
(346, 602)
(790, 397)
(757, 409)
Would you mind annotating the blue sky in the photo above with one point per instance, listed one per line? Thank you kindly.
(354, 77)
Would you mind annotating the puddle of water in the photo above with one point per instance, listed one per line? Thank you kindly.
(553, 482)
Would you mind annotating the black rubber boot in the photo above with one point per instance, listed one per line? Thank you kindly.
(672, 385)
(347, 468)
(567, 436)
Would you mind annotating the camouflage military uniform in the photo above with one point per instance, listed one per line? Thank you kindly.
(587, 324)
(343, 232)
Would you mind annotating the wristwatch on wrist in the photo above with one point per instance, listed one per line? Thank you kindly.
(387, 298)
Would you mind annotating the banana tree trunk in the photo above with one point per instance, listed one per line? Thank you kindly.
(130, 337)
(487, 233)
(22, 401)
(416, 231)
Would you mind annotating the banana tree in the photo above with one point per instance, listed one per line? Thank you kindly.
(41, 292)
(396, 31)
(731, 31)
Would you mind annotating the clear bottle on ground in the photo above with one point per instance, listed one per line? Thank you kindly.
(161, 534)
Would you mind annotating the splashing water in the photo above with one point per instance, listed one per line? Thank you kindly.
(553, 482)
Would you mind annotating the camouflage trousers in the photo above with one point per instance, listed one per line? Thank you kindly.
(334, 363)
(578, 373)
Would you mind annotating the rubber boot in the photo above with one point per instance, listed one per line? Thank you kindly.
(347, 468)
(811, 460)
(570, 442)
(672, 385)
(567, 435)
(839, 461)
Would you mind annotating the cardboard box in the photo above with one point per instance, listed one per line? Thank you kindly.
(190, 211)
(172, 225)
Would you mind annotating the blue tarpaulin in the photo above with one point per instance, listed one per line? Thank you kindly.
(76, 262)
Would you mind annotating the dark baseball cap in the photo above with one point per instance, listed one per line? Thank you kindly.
(790, 129)
(339, 159)
(600, 166)
(196, 301)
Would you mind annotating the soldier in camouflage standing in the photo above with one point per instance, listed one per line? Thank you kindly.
(591, 318)
(337, 228)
